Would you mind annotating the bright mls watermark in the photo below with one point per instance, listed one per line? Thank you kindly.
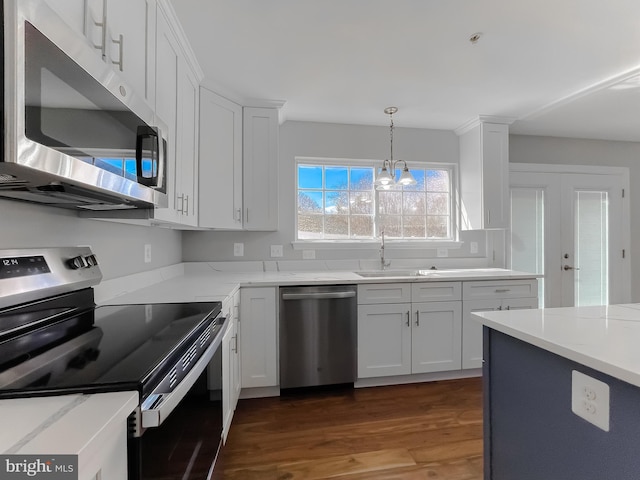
(50, 467)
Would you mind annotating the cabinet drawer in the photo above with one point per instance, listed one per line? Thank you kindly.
(499, 289)
(371, 293)
(436, 291)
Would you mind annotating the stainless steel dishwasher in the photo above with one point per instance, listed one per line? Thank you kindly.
(317, 335)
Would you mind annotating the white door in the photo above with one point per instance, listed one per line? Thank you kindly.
(569, 226)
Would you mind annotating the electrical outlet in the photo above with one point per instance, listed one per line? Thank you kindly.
(147, 253)
(238, 249)
(276, 250)
(308, 254)
(442, 252)
(473, 247)
(590, 399)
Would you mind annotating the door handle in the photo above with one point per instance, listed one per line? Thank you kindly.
(322, 295)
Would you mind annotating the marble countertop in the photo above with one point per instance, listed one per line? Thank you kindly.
(65, 424)
(605, 338)
(202, 282)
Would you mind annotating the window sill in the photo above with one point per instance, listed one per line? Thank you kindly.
(374, 244)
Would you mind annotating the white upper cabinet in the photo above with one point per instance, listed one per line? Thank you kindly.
(484, 175)
(260, 151)
(121, 32)
(177, 105)
(220, 162)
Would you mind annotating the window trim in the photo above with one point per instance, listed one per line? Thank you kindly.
(453, 242)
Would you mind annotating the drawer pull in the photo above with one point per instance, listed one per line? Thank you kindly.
(502, 290)
(408, 318)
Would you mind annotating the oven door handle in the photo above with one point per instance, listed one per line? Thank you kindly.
(158, 406)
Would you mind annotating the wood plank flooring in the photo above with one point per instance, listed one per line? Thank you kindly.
(404, 432)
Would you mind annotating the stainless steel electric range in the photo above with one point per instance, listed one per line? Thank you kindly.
(54, 340)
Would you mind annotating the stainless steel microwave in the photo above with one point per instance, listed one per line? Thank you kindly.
(75, 135)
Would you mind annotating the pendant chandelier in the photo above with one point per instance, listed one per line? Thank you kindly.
(386, 177)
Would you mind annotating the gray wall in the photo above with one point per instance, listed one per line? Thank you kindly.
(309, 139)
(119, 247)
(568, 151)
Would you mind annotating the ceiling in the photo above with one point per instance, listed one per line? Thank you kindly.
(556, 67)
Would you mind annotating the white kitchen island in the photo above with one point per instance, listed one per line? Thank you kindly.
(551, 377)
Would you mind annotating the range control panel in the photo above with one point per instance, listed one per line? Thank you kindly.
(36, 273)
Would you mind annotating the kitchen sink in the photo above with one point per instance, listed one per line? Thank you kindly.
(391, 273)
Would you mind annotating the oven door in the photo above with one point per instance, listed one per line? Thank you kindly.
(186, 443)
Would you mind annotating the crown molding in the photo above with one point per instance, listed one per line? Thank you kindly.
(480, 119)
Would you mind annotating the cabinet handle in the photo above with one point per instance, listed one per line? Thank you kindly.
(186, 209)
(507, 307)
(120, 43)
(235, 343)
(102, 25)
(247, 217)
(488, 217)
(499, 308)
(502, 290)
(181, 199)
(417, 318)
(238, 215)
(408, 318)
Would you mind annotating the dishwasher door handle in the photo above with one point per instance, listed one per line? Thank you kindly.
(321, 295)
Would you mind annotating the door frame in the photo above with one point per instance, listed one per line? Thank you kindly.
(620, 287)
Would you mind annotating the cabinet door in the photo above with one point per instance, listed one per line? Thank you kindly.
(236, 378)
(258, 354)
(220, 162)
(167, 62)
(384, 340)
(472, 330)
(370, 293)
(227, 375)
(495, 175)
(436, 335)
(187, 148)
(260, 157)
(128, 35)
(71, 11)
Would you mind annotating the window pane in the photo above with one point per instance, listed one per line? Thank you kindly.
(438, 181)
(309, 201)
(437, 227)
(361, 179)
(414, 226)
(309, 176)
(362, 226)
(390, 202)
(414, 203)
(336, 178)
(437, 204)
(310, 227)
(392, 226)
(419, 175)
(361, 202)
(336, 202)
(336, 226)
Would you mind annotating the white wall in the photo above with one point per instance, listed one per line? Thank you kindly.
(119, 247)
(553, 150)
(309, 139)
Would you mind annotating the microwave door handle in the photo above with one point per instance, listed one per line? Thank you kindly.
(143, 133)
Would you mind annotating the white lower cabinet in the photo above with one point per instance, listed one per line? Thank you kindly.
(487, 296)
(258, 337)
(230, 374)
(406, 338)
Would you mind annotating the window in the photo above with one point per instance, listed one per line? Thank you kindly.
(338, 201)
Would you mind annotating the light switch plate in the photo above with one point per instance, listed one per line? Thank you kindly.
(276, 250)
(238, 249)
(473, 247)
(590, 399)
(147, 253)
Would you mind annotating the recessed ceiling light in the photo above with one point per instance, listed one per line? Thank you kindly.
(475, 37)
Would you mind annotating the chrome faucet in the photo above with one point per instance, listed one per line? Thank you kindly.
(383, 263)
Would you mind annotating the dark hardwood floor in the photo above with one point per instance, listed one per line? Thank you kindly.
(406, 432)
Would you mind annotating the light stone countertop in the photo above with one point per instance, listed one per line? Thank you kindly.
(202, 282)
(605, 338)
(66, 424)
